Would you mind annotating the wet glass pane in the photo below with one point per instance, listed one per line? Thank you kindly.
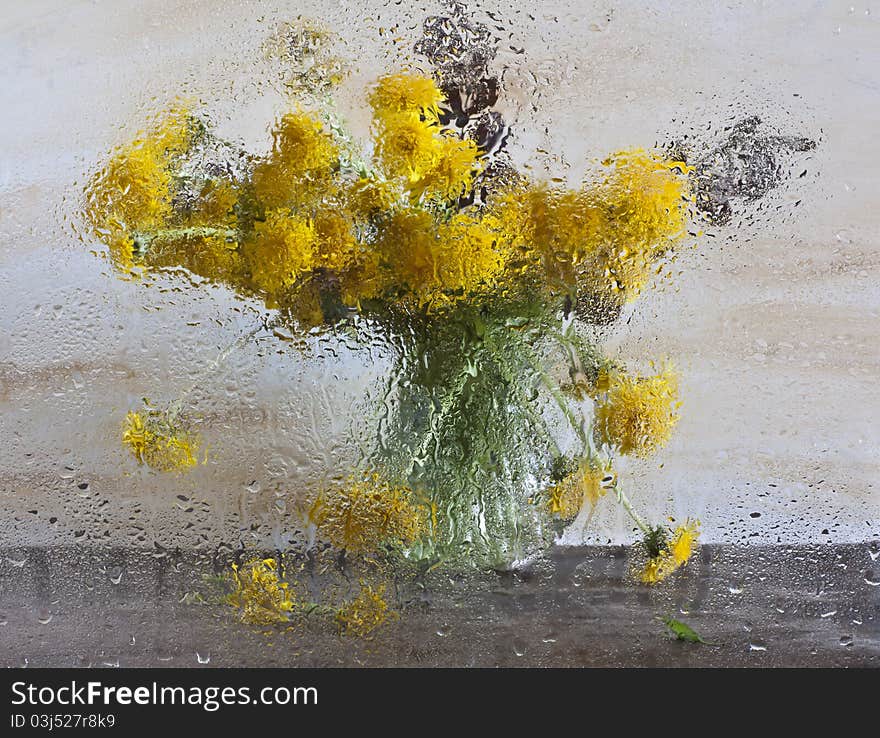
(438, 334)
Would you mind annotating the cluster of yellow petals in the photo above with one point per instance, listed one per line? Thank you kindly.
(406, 94)
(585, 485)
(300, 167)
(410, 144)
(260, 595)
(645, 201)
(132, 193)
(263, 598)
(155, 439)
(366, 612)
(636, 414)
(368, 512)
(305, 222)
(604, 237)
(676, 553)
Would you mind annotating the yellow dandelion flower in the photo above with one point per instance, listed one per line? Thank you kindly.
(586, 484)
(684, 541)
(603, 381)
(507, 217)
(368, 197)
(135, 435)
(438, 264)
(280, 253)
(132, 193)
(368, 513)
(410, 145)
(406, 147)
(644, 200)
(365, 280)
(366, 612)
(657, 569)
(156, 439)
(637, 414)
(674, 552)
(648, 195)
(409, 246)
(300, 166)
(336, 247)
(563, 229)
(411, 94)
(469, 260)
(450, 174)
(552, 236)
(260, 595)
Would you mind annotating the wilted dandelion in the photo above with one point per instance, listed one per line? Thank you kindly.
(366, 612)
(585, 485)
(668, 551)
(260, 595)
(159, 440)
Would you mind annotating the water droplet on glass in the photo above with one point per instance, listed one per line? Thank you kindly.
(757, 645)
(253, 487)
(206, 659)
(443, 631)
(828, 614)
(519, 647)
(872, 578)
(4, 619)
(116, 574)
(44, 617)
(846, 641)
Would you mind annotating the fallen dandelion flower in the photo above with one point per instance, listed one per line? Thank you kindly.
(158, 439)
(366, 612)
(261, 597)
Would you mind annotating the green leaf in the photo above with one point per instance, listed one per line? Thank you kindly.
(684, 632)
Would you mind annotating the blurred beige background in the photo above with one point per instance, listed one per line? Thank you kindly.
(774, 324)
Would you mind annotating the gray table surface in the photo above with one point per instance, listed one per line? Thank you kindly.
(764, 606)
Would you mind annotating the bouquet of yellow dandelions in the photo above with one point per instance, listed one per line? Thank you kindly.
(504, 417)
